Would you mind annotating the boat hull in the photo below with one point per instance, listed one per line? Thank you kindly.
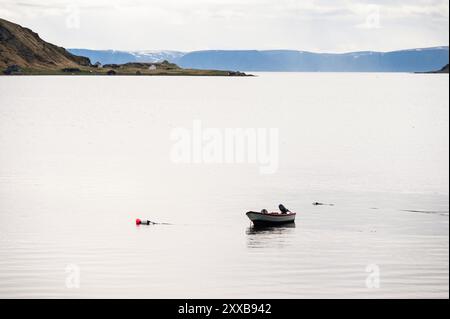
(271, 219)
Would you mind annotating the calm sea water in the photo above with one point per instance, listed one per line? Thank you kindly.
(82, 157)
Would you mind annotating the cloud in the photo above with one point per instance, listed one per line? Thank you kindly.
(321, 25)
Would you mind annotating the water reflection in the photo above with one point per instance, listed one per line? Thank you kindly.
(269, 236)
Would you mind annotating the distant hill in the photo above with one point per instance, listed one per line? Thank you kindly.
(23, 47)
(413, 60)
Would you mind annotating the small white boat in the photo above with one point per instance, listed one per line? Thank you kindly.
(270, 219)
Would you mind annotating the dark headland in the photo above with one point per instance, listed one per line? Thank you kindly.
(444, 69)
(22, 51)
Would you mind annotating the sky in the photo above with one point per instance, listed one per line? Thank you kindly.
(187, 25)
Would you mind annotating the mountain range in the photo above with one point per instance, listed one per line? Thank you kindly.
(410, 60)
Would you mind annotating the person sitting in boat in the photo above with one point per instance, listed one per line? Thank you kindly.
(283, 209)
(264, 211)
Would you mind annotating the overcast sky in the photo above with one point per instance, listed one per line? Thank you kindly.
(186, 25)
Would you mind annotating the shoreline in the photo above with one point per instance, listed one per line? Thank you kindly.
(160, 69)
(123, 75)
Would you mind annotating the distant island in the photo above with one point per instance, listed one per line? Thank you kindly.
(23, 52)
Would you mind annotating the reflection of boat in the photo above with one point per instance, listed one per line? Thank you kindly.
(269, 229)
(270, 219)
(270, 236)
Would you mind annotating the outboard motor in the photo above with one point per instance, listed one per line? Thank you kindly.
(283, 209)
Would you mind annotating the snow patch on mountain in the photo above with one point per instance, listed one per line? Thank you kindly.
(157, 56)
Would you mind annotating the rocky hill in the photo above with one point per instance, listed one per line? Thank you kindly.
(22, 47)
